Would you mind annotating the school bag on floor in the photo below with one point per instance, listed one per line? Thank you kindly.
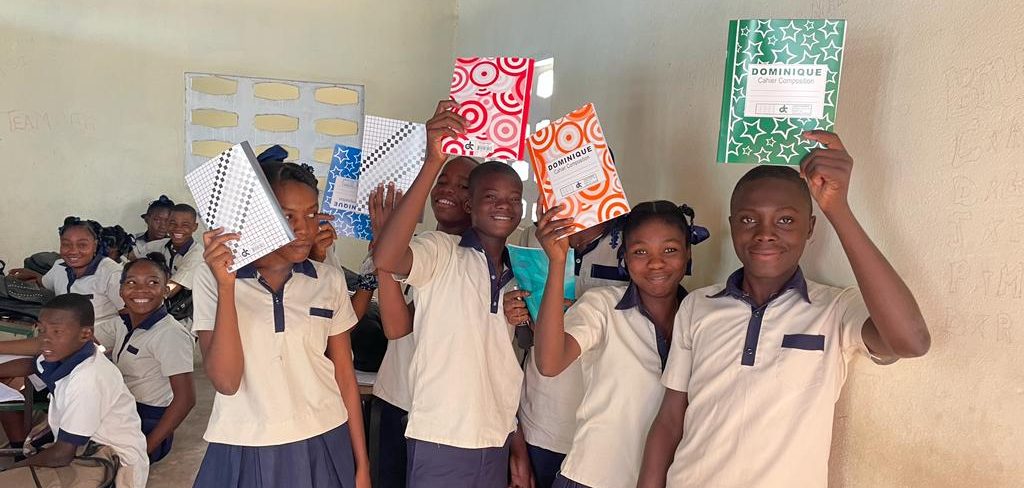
(41, 262)
(96, 467)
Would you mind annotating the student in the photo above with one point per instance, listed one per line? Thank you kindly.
(766, 353)
(620, 336)
(275, 346)
(183, 255)
(118, 243)
(89, 400)
(153, 351)
(464, 376)
(156, 224)
(84, 268)
(547, 410)
(448, 201)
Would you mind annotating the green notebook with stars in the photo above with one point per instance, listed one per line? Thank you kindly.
(781, 78)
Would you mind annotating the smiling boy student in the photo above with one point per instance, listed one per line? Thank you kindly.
(183, 254)
(464, 376)
(89, 400)
(757, 364)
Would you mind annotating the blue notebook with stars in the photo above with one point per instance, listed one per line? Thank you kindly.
(341, 194)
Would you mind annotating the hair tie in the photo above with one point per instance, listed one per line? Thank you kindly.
(308, 168)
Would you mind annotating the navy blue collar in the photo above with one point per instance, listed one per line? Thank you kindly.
(89, 270)
(734, 287)
(249, 271)
(631, 297)
(52, 372)
(148, 322)
(184, 249)
(471, 239)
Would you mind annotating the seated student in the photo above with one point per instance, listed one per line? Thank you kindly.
(183, 255)
(156, 225)
(460, 425)
(547, 410)
(275, 344)
(89, 400)
(154, 353)
(766, 353)
(620, 336)
(118, 243)
(448, 200)
(84, 268)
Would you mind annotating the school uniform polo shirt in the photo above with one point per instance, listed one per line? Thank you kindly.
(141, 243)
(288, 391)
(183, 262)
(392, 383)
(148, 355)
(89, 401)
(464, 376)
(621, 359)
(762, 382)
(547, 410)
(101, 282)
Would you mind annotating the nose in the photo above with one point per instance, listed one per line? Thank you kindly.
(765, 232)
(303, 227)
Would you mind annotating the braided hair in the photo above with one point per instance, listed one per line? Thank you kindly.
(91, 226)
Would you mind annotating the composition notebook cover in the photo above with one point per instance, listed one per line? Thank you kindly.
(494, 97)
(341, 192)
(393, 151)
(230, 191)
(574, 166)
(781, 78)
(530, 267)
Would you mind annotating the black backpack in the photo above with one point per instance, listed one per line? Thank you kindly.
(21, 300)
(368, 340)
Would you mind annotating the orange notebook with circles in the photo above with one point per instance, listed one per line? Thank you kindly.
(574, 167)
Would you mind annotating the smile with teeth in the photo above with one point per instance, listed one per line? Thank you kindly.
(501, 217)
(445, 202)
(141, 300)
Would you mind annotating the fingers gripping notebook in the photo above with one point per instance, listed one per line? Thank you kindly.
(230, 191)
(393, 151)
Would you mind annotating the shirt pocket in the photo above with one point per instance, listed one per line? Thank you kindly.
(801, 362)
(318, 323)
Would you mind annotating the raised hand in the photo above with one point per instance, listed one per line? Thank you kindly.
(551, 233)
(827, 171)
(382, 202)
(217, 254)
(325, 237)
(445, 123)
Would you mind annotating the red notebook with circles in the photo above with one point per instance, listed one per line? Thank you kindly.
(574, 167)
(494, 94)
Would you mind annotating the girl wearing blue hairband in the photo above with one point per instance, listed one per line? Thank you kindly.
(620, 334)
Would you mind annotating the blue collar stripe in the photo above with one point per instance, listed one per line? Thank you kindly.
(52, 372)
(471, 239)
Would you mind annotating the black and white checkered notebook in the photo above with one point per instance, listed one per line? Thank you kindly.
(230, 191)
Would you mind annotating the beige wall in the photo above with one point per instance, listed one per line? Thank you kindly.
(938, 183)
(92, 93)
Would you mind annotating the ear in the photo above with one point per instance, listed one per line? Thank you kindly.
(85, 334)
(468, 205)
(810, 230)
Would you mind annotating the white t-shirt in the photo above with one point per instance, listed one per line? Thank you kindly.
(762, 382)
(101, 283)
(89, 400)
(160, 347)
(288, 391)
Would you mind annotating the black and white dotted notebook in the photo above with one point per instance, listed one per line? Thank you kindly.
(230, 191)
(393, 152)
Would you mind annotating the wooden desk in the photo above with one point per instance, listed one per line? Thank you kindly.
(18, 327)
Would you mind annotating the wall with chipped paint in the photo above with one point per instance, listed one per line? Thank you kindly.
(931, 110)
(92, 96)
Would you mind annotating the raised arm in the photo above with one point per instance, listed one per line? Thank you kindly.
(896, 327)
(222, 346)
(554, 349)
(392, 251)
(395, 315)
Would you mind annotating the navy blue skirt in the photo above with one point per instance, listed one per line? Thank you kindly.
(324, 461)
(150, 417)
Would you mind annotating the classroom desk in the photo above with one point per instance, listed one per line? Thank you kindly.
(17, 327)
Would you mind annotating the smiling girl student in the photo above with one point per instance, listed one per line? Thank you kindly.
(84, 268)
(620, 334)
(275, 344)
(154, 353)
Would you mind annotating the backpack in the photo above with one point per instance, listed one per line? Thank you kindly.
(96, 467)
(180, 305)
(21, 300)
(41, 262)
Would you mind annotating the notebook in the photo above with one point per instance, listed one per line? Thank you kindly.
(230, 191)
(781, 78)
(393, 151)
(494, 97)
(574, 167)
(341, 192)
